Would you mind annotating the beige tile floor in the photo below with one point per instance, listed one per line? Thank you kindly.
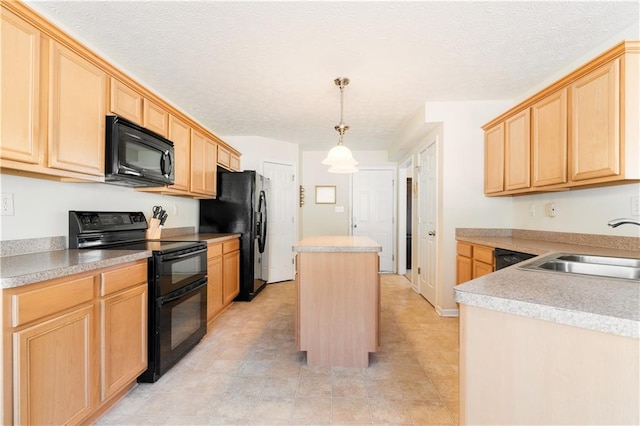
(246, 371)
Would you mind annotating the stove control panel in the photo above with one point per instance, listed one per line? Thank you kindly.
(104, 227)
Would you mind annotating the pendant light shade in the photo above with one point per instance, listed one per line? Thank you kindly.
(340, 157)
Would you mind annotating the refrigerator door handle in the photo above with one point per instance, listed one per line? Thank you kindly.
(262, 223)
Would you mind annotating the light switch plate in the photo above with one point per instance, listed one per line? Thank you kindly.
(338, 209)
(635, 206)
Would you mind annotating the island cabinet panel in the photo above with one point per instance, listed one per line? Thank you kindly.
(339, 307)
(544, 373)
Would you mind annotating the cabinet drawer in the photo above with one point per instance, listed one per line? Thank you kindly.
(483, 254)
(32, 305)
(229, 246)
(122, 278)
(464, 249)
(214, 250)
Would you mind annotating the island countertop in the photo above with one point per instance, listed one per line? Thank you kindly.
(337, 244)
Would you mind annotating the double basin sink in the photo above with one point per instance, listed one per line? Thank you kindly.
(583, 264)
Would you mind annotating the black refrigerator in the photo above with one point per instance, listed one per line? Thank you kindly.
(241, 207)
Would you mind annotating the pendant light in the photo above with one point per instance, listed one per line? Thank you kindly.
(339, 157)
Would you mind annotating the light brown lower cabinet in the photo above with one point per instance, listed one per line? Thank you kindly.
(72, 346)
(473, 261)
(223, 270)
(517, 370)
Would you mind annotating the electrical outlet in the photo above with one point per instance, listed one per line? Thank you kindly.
(635, 206)
(550, 209)
(6, 204)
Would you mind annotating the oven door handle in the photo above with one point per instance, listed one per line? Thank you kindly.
(181, 293)
(182, 256)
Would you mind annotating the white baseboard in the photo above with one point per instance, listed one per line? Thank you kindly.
(447, 312)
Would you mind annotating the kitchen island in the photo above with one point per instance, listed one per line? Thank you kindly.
(338, 300)
(549, 348)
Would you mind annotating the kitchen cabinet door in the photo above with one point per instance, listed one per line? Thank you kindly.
(224, 157)
(54, 370)
(494, 159)
(203, 165)
(517, 147)
(215, 301)
(125, 102)
(155, 118)
(21, 128)
(464, 271)
(235, 163)
(77, 94)
(231, 278)
(549, 133)
(594, 129)
(180, 135)
(124, 339)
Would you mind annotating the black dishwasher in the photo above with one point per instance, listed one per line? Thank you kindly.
(506, 258)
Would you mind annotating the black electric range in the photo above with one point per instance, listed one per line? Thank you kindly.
(177, 278)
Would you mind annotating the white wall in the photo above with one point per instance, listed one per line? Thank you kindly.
(582, 210)
(41, 206)
(322, 219)
(256, 150)
(461, 183)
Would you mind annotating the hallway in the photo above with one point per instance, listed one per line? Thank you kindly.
(247, 371)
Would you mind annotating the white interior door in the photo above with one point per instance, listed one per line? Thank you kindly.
(427, 222)
(373, 192)
(281, 227)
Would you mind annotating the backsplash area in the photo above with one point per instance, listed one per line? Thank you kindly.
(31, 245)
(41, 206)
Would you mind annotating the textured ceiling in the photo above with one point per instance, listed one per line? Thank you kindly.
(267, 68)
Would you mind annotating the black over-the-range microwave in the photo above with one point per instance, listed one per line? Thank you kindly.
(136, 156)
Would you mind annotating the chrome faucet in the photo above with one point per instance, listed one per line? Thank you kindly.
(625, 220)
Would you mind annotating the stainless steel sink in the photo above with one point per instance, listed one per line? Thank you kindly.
(601, 266)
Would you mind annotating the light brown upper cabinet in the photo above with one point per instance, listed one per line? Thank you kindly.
(55, 94)
(125, 102)
(517, 148)
(584, 130)
(77, 110)
(203, 165)
(180, 135)
(549, 136)
(155, 118)
(20, 125)
(595, 124)
(53, 106)
(494, 159)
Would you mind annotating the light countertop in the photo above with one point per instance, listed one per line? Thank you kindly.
(596, 303)
(23, 269)
(36, 267)
(337, 244)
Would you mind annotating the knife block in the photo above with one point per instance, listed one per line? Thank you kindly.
(154, 230)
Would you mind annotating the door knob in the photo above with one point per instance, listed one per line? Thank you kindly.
(432, 233)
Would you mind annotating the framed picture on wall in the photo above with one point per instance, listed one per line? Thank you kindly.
(325, 194)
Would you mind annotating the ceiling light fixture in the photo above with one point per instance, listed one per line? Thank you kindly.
(339, 157)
